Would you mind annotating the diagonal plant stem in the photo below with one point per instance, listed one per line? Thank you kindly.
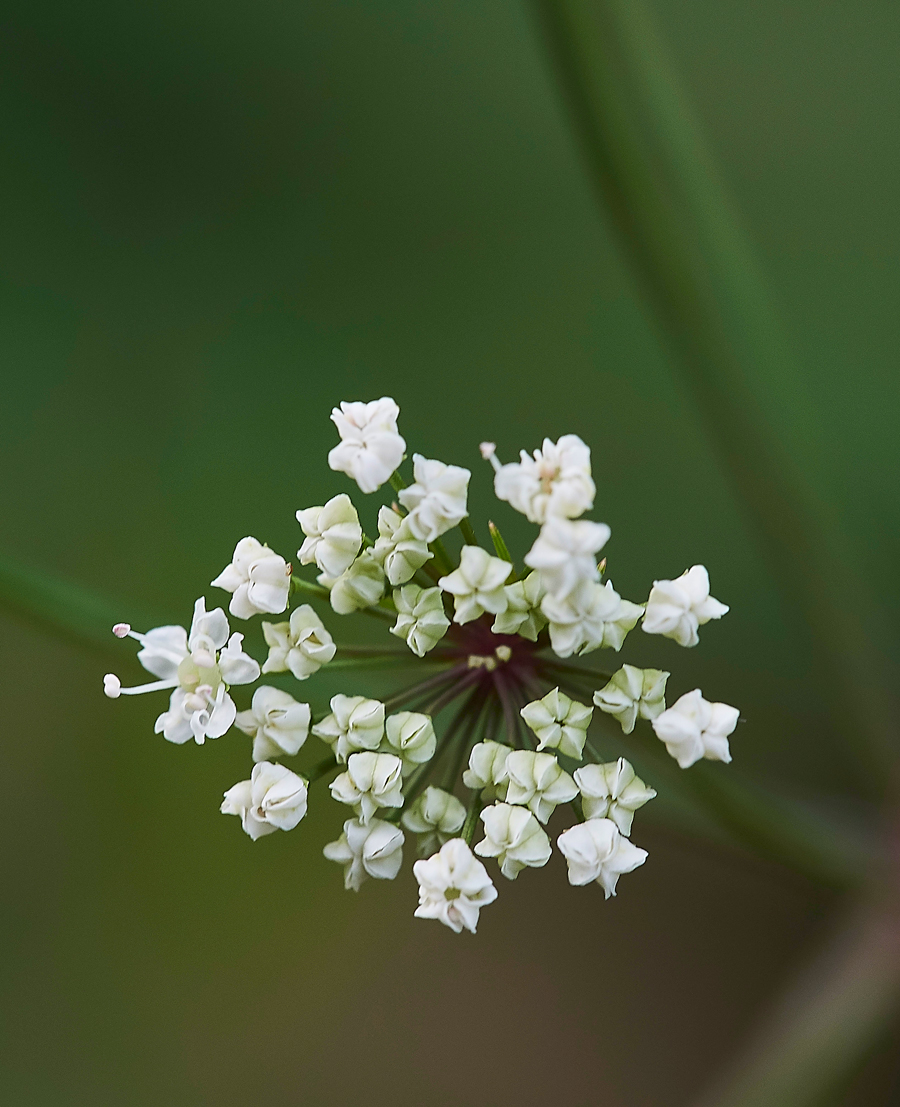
(825, 1023)
(67, 610)
(658, 182)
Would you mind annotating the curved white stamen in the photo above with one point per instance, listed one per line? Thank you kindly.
(122, 630)
(203, 659)
(112, 686)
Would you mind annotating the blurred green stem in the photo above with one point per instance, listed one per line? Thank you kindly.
(673, 216)
(825, 1024)
(65, 609)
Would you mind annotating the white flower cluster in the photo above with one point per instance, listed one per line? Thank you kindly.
(497, 644)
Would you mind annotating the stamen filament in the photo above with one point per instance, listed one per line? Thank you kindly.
(153, 686)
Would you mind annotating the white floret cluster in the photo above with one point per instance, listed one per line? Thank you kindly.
(477, 758)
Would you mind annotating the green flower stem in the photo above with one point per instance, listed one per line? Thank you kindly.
(450, 694)
(509, 712)
(424, 686)
(317, 591)
(468, 533)
(442, 563)
(391, 661)
(576, 672)
(475, 708)
(662, 191)
(419, 779)
(474, 810)
(298, 584)
(387, 651)
(428, 575)
(322, 768)
(492, 720)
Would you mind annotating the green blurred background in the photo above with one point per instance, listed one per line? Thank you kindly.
(219, 221)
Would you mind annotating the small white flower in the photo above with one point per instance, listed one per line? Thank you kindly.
(566, 554)
(302, 645)
(272, 799)
(559, 723)
(197, 667)
(676, 608)
(523, 614)
(612, 791)
(515, 837)
(258, 579)
(362, 585)
(477, 585)
(633, 693)
(453, 886)
(410, 735)
(236, 666)
(421, 621)
(371, 448)
(202, 713)
(374, 850)
(372, 780)
(276, 722)
(537, 782)
(594, 615)
(487, 770)
(333, 535)
(397, 551)
(555, 481)
(595, 850)
(693, 728)
(436, 502)
(435, 817)
(355, 723)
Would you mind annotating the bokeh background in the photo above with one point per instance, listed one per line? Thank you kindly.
(220, 219)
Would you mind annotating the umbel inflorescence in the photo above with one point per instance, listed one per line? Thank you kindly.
(495, 736)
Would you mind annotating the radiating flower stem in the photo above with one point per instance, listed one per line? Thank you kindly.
(322, 768)
(472, 813)
(317, 591)
(476, 709)
(448, 696)
(577, 672)
(422, 687)
(392, 661)
(468, 533)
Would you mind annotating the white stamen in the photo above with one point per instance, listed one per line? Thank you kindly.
(488, 452)
(122, 630)
(112, 686)
(139, 689)
(203, 659)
